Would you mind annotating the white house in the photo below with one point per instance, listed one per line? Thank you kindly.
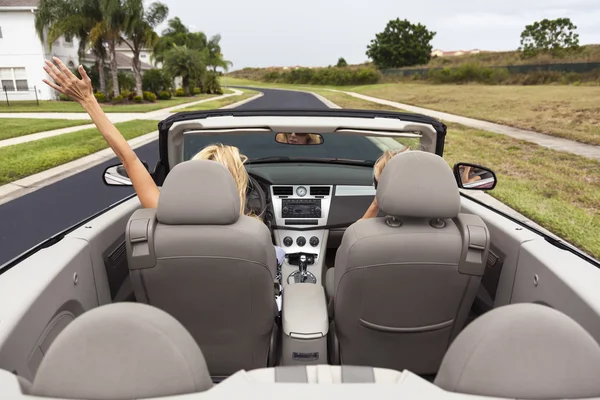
(22, 54)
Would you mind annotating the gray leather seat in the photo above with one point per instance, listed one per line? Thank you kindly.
(213, 269)
(523, 351)
(122, 351)
(403, 284)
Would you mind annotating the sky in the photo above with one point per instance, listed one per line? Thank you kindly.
(263, 33)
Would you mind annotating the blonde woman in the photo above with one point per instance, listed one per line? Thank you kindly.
(80, 90)
(380, 164)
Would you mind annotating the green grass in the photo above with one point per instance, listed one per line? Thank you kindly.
(15, 127)
(212, 105)
(22, 160)
(559, 191)
(71, 106)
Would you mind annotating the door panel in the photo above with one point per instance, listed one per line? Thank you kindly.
(41, 295)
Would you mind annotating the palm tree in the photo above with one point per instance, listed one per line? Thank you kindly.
(56, 18)
(186, 63)
(215, 57)
(139, 31)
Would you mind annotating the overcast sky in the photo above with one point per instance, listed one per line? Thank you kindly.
(264, 33)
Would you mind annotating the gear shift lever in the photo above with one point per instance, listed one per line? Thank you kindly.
(303, 268)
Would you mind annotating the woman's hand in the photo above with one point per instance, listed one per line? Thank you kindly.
(67, 83)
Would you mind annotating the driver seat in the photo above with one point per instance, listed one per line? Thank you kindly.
(198, 259)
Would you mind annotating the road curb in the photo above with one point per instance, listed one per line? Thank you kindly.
(37, 181)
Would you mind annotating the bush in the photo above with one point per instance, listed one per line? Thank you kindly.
(164, 95)
(149, 96)
(100, 97)
(197, 91)
(64, 97)
(325, 76)
(126, 93)
(469, 73)
(117, 100)
(138, 99)
(156, 80)
(180, 92)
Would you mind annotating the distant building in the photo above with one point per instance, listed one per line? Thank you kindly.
(441, 53)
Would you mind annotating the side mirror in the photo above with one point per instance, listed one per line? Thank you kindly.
(474, 177)
(116, 175)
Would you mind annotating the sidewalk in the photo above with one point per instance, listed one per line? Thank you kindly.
(113, 117)
(551, 142)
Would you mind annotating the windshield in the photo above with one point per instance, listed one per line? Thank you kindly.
(334, 146)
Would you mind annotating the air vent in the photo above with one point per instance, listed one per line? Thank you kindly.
(319, 190)
(283, 190)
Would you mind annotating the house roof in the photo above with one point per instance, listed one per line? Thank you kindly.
(123, 61)
(19, 3)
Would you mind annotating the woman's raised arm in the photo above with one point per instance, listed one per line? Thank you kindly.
(81, 91)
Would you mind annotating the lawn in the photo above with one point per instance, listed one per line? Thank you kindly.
(211, 105)
(571, 112)
(21, 160)
(14, 127)
(559, 191)
(71, 106)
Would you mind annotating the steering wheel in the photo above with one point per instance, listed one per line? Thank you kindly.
(256, 199)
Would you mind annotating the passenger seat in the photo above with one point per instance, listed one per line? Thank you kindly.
(403, 284)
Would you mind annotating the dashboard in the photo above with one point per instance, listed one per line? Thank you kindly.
(309, 206)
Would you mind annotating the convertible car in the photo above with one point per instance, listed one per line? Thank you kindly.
(439, 296)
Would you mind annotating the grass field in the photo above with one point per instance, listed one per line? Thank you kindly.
(558, 190)
(71, 106)
(570, 112)
(14, 127)
(210, 105)
(21, 160)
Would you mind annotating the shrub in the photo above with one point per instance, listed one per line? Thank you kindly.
(180, 92)
(164, 95)
(117, 100)
(156, 80)
(149, 96)
(138, 99)
(64, 97)
(100, 97)
(197, 90)
(126, 93)
(469, 73)
(325, 76)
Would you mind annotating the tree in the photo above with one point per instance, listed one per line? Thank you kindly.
(215, 57)
(341, 62)
(55, 18)
(139, 31)
(186, 63)
(556, 37)
(401, 44)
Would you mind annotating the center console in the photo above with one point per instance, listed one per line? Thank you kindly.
(300, 210)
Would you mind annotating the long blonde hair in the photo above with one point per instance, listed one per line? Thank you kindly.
(233, 160)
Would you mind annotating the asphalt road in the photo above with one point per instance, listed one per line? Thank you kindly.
(31, 219)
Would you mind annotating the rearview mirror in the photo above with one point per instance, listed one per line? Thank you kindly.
(299, 138)
(474, 177)
(116, 175)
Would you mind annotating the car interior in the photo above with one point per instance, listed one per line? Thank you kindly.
(438, 295)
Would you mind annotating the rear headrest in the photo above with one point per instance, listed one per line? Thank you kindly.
(198, 192)
(523, 351)
(418, 184)
(119, 351)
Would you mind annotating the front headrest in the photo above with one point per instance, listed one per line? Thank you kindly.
(198, 192)
(119, 351)
(523, 351)
(418, 184)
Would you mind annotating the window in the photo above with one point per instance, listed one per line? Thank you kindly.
(0, 32)
(14, 79)
(68, 39)
(71, 65)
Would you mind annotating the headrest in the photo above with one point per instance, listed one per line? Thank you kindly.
(418, 184)
(523, 351)
(122, 350)
(198, 192)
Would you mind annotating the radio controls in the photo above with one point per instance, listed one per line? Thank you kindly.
(288, 241)
(285, 210)
(314, 241)
(318, 211)
(301, 241)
